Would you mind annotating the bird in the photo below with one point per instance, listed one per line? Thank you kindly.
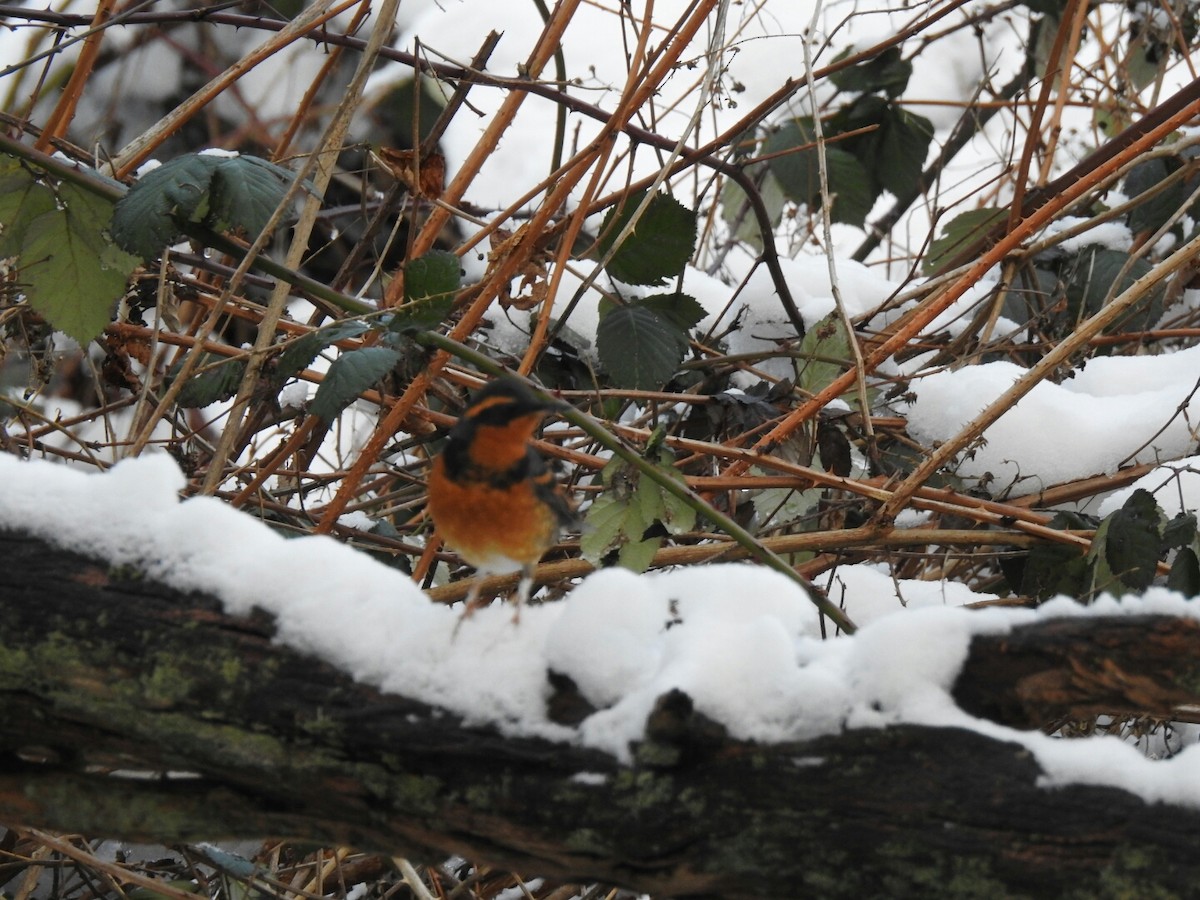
(490, 494)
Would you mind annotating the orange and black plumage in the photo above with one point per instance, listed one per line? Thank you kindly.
(491, 496)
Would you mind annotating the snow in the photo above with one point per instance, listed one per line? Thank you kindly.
(766, 324)
(1114, 411)
(1112, 235)
(742, 642)
(868, 593)
(294, 395)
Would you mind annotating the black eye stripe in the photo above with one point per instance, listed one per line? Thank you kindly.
(506, 394)
(497, 413)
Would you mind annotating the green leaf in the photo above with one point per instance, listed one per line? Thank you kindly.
(776, 507)
(1111, 115)
(648, 500)
(219, 192)
(1127, 545)
(605, 520)
(75, 277)
(636, 556)
(824, 355)
(404, 106)
(625, 518)
(1054, 568)
(660, 244)
(1152, 213)
(1092, 278)
(886, 73)
(1180, 531)
(350, 375)
(430, 285)
(68, 269)
(302, 351)
(851, 186)
(867, 114)
(616, 522)
(677, 516)
(903, 148)
(639, 347)
(890, 150)
(244, 195)
(1102, 578)
(216, 379)
(1143, 61)
(22, 200)
(151, 215)
(1185, 573)
(799, 173)
(682, 310)
(1134, 540)
(959, 233)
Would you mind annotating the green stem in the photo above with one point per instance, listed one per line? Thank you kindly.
(560, 71)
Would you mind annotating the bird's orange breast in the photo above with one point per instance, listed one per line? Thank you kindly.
(495, 527)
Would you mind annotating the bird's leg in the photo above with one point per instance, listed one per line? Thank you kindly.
(524, 587)
(471, 603)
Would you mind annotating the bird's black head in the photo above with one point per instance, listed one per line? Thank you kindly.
(505, 399)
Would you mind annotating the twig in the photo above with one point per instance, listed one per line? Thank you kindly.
(59, 120)
(852, 343)
(412, 879)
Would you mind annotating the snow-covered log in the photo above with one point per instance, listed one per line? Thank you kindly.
(128, 708)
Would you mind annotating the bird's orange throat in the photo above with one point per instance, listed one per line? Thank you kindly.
(501, 447)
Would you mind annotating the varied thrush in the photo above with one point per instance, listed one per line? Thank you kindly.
(491, 496)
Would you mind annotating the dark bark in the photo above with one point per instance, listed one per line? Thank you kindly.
(104, 673)
(1079, 668)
